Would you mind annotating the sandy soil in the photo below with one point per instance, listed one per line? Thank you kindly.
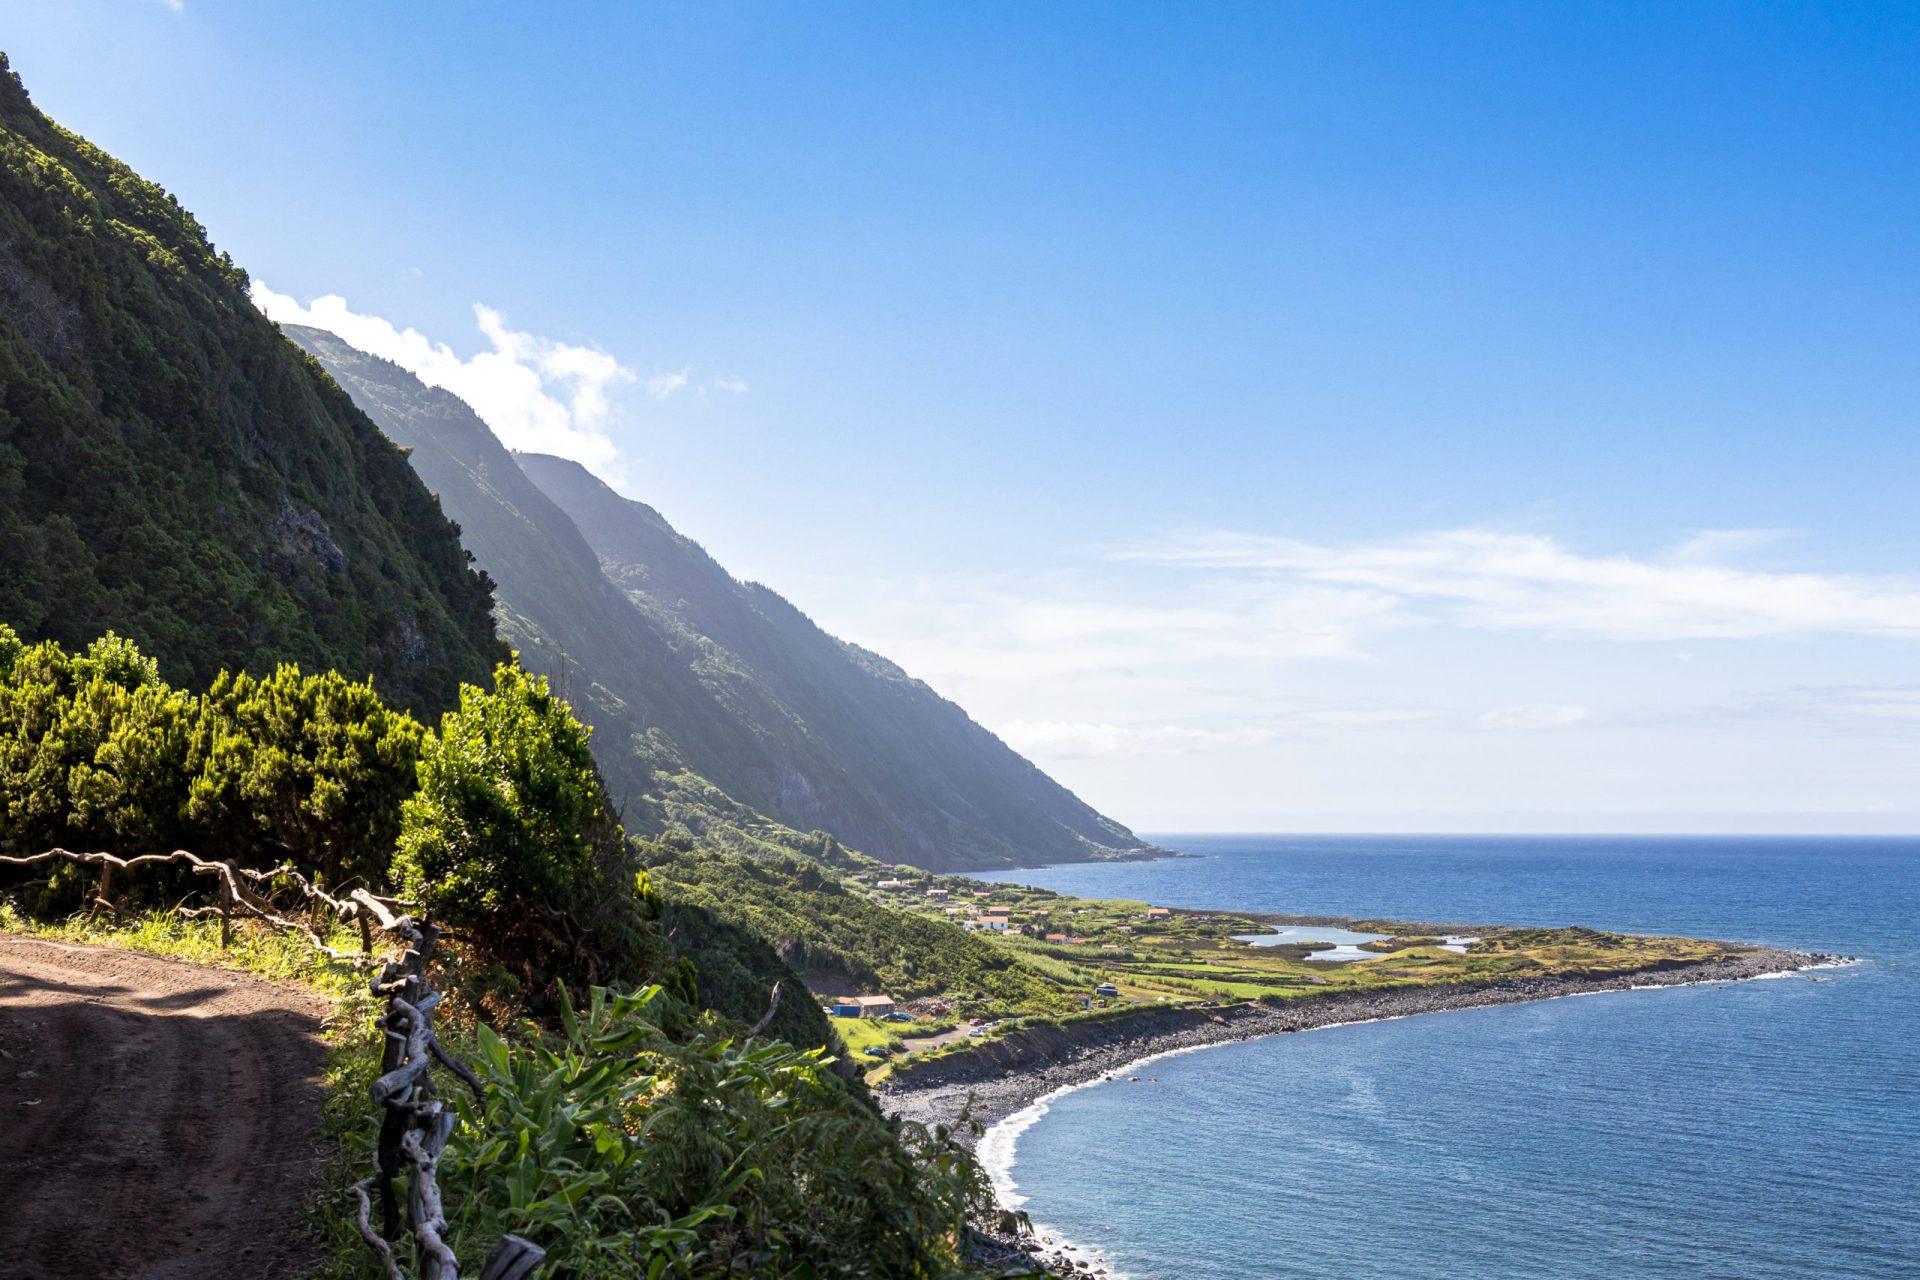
(156, 1118)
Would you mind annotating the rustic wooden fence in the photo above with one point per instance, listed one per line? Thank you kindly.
(415, 1124)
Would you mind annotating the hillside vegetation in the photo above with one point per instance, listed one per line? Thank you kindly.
(654, 1134)
(848, 742)
(840, 941)
(173, 470)
(720, 709)
(245, 628)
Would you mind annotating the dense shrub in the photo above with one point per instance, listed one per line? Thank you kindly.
(511, 838)
(627, 1153)
(93, 747)
(317, 766)
(98, 752)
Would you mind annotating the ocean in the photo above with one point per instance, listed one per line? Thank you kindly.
(1746, 1130)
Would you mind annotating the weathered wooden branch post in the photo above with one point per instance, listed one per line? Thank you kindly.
(416, 1124)
(104, 888)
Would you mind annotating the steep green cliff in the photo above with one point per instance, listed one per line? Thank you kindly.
(566, 619)
(171, 469)
(717, 705)
(845, 740)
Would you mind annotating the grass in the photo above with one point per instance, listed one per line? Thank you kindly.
(1188, 957)
(861, 1034)
(256, 949)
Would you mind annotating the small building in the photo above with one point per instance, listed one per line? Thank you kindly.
(1106, 989)
(938, 895)
(862, 1006)
(1056, 937)
(1158, 913)
(996, 923)
(891, 884)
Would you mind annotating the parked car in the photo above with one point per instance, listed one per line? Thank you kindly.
(874, 1051)
(899, 1017)
(978, 1022)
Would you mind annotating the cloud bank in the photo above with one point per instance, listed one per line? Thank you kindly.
(1528, 582)
(538, 395)
(1066, 738)
(1214, 643)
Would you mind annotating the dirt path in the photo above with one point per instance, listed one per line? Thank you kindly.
(156, 1118)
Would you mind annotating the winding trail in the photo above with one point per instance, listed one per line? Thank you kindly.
(156, 1118)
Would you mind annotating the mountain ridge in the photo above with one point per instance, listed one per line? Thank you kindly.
(870, 716)
(718, 706)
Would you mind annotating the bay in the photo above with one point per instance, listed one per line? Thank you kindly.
(1760, 1129)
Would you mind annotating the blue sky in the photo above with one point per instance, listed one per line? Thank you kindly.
(1267, 416)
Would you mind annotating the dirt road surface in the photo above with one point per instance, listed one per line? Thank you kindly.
(157, 1119)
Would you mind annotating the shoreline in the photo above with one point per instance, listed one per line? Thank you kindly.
(1030, 1065)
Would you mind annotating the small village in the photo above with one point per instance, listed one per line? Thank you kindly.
(1038, 923)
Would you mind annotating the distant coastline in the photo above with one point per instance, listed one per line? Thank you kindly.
(995, 1080)
(1009, 1072)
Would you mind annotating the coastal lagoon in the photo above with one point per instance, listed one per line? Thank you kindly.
(1758, 1129)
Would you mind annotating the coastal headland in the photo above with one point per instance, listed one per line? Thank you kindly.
(972, 1089)
(1001, 1075)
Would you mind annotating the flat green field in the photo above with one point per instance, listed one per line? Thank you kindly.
(1187, 956)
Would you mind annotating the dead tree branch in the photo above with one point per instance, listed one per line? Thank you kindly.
(766, 1019)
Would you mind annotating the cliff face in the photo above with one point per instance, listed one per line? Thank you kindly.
(717, 705)
(173, 470)
(847, 741)
(565, 618)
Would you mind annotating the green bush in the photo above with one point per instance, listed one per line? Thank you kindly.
(93, 748)
(97, 752)
(627, 1154)
(317, 766)
(510, 838)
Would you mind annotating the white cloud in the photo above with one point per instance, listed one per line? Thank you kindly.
(1528, 582)
(1372, 717)
(1060, 738)
(1843, 708)
(1529, 716)
(1883, 704)
(538, 395)
(1715, 544)
(662, 385)
(175, 6)
(1451, 673)
(734, 386)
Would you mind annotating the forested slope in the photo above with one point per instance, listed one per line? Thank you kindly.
(846, 741)
(566, 619)
(170, 468)
(718, 707)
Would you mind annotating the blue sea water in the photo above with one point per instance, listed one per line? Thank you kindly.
(1756, 1129)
